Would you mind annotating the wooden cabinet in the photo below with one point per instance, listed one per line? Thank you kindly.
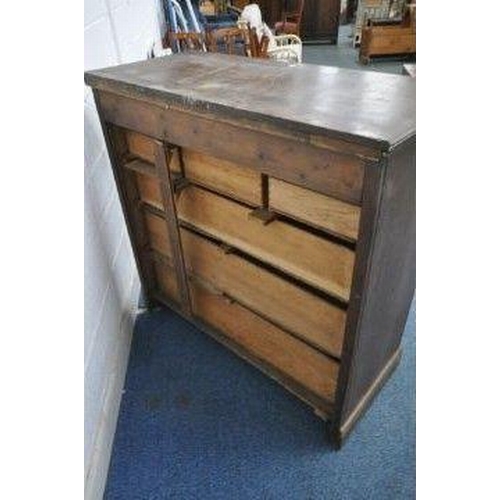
(274, 208)
(320, 19)
(382, 38)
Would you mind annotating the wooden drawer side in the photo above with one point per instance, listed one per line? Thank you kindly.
(320, 263)
(323, 212)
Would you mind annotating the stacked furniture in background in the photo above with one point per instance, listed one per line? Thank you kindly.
(387, 37)
(373, 10)
(249, 37)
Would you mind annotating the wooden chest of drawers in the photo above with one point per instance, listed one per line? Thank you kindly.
(273, 207)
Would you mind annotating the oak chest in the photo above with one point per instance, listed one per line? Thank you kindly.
(274, 207)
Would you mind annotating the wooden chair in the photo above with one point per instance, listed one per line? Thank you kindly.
(234, 41)
(258, 47)
(290, 19)
(185, 42)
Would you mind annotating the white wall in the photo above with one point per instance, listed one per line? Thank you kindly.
(116, 32)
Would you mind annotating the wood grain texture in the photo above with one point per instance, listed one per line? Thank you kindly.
(220, 175)
(322, 407)
(271, 292)
(302, 363)
(316, 168)
(149, 190)
(384, 283)
(327, 101)
(162, 163)
(318, 262)
(310, 317)
(159, 238)
(323, 212)
(166, 280)
(223, 176)
(127, 191)
(143, 147)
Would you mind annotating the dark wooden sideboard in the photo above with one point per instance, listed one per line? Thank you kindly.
(320, 19)
(283, 227)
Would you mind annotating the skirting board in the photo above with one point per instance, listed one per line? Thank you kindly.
(96, 475)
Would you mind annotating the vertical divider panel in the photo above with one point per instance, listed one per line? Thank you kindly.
(163, 157)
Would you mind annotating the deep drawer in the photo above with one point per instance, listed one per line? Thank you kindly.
(303, 364)
(316, 320)
(320, 263)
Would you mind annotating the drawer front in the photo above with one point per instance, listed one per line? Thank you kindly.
(320, 263)
(296, 161)
(326, 213)
(315, 320)
(305, 365)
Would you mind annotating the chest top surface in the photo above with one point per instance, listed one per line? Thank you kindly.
(367, 107)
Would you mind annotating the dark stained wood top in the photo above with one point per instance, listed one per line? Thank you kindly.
(367, 107)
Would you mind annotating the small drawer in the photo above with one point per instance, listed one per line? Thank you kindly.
(222, 176)
(166, 280)
(323, 212)
(143, 147)
(290, 356)
(149, 190)
(158, 236)
(317, 321)
(323, 264)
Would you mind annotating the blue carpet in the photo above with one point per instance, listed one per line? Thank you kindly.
(196, 422)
